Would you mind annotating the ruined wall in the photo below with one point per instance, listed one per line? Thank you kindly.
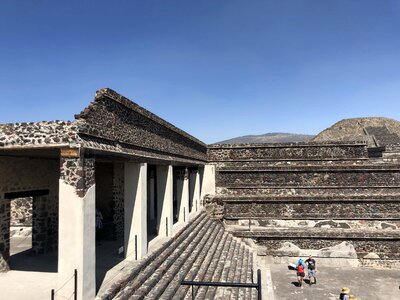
(385, 244)
(112, 117)
(21, 212)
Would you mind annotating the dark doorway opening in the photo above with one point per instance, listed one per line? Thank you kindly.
(109, 241)
(152, 221)
(33, 231)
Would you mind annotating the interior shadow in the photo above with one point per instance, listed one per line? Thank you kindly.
(31, 262)
(108, 254)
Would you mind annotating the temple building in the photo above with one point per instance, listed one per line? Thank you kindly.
(170, 207)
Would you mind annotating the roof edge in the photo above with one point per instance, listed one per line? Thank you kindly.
(115, 96)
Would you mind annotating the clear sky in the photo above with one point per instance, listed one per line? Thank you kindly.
(216, 69)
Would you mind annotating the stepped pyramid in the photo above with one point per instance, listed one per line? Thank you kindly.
(310, 196)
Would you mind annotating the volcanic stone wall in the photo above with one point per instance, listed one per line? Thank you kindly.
(385, 209)
(294, 151)
(118, 199)
(350, 176)
(311, 195)
(113, 118)
(21, 212)
(38, 134)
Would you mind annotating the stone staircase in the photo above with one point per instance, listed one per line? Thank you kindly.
(202, 251)
(314, 196)
(382, 135)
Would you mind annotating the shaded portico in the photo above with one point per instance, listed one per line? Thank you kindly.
(115, 157)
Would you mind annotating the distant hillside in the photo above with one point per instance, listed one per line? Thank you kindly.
(274, 137)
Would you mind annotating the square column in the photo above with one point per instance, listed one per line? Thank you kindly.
(164, 200)
(182, 194)
(194, 193)
(77, 199)
(135, 207)
(207, 176)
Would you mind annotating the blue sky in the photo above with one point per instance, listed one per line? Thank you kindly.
(216, 69)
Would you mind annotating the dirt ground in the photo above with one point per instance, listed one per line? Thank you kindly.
(364, 283)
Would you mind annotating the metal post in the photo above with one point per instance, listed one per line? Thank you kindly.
(75, 284)
(192, 293)
(52, 294)
(259, 284)
(184, 214)
(135, 247)
(166, 226)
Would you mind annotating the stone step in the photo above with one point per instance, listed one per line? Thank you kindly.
(170, 283)
(218, 263)
(210, 273)
(151, 257)
(227, 266)
(317, 167)
(310, 178)
(382, 135)
(301, 164)
(351, 223)
(385, 244)
(260, 198)
(303, 151)
(311, 192)
(383, 210)
(202, 264)
(243, 275)
(167, 270)
(239, 272)
(217, 276)
(206, 253)
(249, 276)
(153, 262)
(226, 292)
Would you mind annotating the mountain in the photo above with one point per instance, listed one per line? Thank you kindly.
(274, 137)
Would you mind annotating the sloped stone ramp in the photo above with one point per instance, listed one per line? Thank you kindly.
(203, 251)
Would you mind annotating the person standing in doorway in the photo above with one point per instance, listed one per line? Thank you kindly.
(99, 226)
(312, 269)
